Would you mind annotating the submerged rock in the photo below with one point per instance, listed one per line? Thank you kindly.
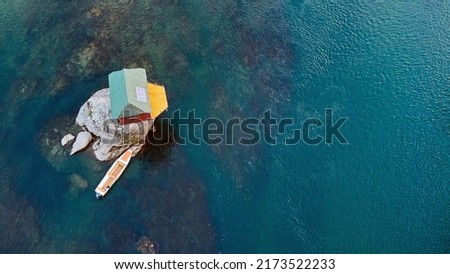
(82, 141)
(49, 141)
(77, 184)
(67, 139)
(59, 84)
(78, 181)
(147, 246)
(114, 139)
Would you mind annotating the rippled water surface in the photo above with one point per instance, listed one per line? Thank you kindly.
(385, 66)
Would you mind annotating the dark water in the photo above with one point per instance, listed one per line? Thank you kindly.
(385, 66)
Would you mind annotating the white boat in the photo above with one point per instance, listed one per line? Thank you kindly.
(113, 174)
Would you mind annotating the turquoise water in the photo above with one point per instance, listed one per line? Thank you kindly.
(385, 66)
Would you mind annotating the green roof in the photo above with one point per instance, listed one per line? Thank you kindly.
(128, 93)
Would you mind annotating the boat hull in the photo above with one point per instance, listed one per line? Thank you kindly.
(113, 174)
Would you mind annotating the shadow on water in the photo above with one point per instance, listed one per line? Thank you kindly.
(159, 143)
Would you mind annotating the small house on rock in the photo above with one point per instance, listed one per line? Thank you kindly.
(133, 99)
